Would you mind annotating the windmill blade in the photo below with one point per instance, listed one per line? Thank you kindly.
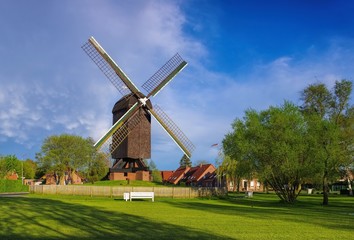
(164, 75)
(117, 125)
(112, 143)
(122, 132)
(112, 71)
(173, 131)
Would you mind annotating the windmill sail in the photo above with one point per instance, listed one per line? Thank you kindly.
(164, 75)
(112, 71)
(117, 125)
(173, 130)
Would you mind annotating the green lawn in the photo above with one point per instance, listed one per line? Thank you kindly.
(260, 217)
(120, 183)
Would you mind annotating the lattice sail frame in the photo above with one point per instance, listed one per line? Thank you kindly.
(107, 70)
(112, 143)
(164, 75)
(173, 130)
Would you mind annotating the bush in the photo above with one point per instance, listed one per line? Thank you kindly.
(12, 186)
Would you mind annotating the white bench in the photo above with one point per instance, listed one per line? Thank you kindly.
(126, 196)
(141, 195)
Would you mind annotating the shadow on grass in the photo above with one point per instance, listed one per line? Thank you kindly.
(339, 215)
(35, 218)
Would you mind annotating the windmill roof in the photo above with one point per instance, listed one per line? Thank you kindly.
(129, 100)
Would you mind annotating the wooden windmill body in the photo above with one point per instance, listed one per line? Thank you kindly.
(128, 141)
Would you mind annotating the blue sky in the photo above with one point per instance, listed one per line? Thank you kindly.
(240, 55)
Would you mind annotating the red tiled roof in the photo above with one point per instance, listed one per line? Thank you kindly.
(166, 175)
(189, 175)
(177, 175)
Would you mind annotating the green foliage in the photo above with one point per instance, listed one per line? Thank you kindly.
(12, 186)
(62, 153)
(155, 173)
(29, 169)
(97, 167)
(8, 165)
(330, 119)
(271, 143)
(185, 161)
(260, 217)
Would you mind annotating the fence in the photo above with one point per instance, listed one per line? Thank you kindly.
(172, 192)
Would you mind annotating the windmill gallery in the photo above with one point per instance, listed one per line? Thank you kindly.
(128, 142)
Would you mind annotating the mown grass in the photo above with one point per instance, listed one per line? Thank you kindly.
(260, 217)
(120, 183)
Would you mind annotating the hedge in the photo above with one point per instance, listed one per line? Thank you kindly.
(12, 186)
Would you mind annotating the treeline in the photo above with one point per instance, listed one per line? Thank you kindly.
(288, 145)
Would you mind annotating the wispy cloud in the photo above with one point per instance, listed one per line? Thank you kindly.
(54, 87)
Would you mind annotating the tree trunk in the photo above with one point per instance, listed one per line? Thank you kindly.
(325, 189)
(350, 188)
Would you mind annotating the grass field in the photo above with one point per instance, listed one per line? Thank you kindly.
(120, 183)
(260, 217)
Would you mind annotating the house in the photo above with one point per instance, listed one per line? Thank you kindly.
(177, 175)
(12, 175)
(69, 178)
(209, 180)
(165, 175)
(191, 176)
(195, 174)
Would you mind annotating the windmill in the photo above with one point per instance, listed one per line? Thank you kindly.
(128, 141)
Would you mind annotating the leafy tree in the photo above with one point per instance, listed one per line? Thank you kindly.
(97, 167)
(9, 164)
(236, 164)
(272, 143)
(62, 153)
(331, 120)
(29, 168)
(185, 161)
(155, 173)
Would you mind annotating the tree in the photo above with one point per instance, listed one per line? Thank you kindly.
(155, 173)
(185, 161)
(272, 143)
(65, 153)
(29, 168)
(97, 167)
(330, 120)
(236, 164)
(9, 164)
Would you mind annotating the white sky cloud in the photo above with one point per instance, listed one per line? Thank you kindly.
(49, 85)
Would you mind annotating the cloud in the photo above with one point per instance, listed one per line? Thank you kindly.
(57, 88)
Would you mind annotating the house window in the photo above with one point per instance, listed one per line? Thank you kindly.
(125, 174)
(252, 184)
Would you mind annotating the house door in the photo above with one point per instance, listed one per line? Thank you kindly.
(245, 183)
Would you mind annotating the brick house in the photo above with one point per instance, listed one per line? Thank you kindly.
(191, 176)
(69, 178)
(165, 175)
(12, 176)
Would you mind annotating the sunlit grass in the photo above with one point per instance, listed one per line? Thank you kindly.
(260, 217)
(132, 183)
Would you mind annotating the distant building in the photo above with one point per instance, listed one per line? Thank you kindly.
(69, 178)
(12, 175)
(165, 175)
(191, 176)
